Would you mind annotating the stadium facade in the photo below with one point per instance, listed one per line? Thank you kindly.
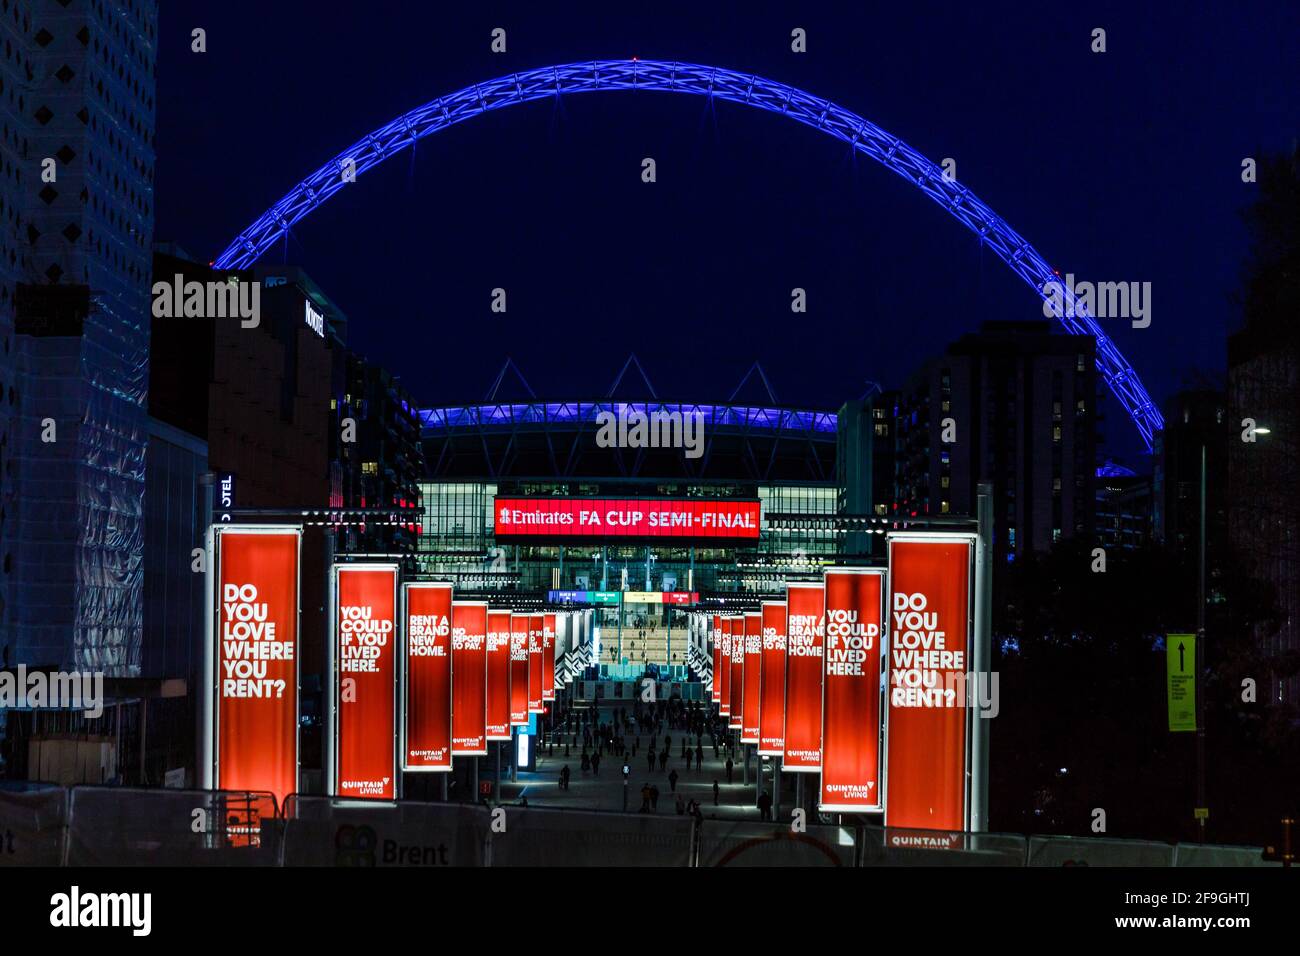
(544, 451)
(783, 458)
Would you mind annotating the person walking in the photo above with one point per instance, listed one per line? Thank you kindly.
(654, 799)
(729, 766)
(765, 806)
(699, 756)
(650, 759)
(672, 781)
(688, 756)
(716, 791)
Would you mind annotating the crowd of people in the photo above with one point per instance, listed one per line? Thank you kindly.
(660, 732)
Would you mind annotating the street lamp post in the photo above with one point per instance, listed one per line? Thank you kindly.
(1201, 806)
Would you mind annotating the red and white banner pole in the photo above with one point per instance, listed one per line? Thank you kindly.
(426, 683)
(851, 707)
(927, 719)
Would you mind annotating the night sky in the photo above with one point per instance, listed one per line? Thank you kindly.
(1122, 166)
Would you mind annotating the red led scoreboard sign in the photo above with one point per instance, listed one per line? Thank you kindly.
(626, 518)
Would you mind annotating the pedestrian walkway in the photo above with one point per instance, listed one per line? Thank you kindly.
(605, 790)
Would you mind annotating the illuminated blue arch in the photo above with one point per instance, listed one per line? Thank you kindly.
(595, 75)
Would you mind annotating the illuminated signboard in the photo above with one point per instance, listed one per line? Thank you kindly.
(361, 726)
(225, 494)
(582, 597)
(251, 669)
(604, 518)
(314, 320)
(926, 731)
(661, 597)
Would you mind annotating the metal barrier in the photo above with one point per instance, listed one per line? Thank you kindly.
(899, 846)
(33, 823)
(1207, 854)
(1093, 851)
(117, 826)
(329, 831)
(49, 825)
(724, 843)
(546, 837)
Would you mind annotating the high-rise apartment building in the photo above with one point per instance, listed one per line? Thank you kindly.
(76, 207)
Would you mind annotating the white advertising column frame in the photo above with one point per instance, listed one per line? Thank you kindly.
(331, 678)
(210, 745)
(973, 638)
(977, 818)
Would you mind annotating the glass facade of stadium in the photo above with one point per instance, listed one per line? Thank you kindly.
(784, 458)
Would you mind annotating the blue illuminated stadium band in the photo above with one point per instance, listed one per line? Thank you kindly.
(543, 413)
(672, 77)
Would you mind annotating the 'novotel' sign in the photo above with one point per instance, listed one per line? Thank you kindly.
(315, 320)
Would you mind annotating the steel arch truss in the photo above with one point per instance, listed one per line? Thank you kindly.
(672, 77)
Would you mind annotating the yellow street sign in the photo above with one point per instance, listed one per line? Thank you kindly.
(1180, 671)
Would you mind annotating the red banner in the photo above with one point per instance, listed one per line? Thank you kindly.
(498, 675)
(929, 639)
(716, 690)
(519, 668)
(736, 716)
(548, 657)
(469, 678)
(535, 664)
(724, 668)
(803, 678)
(256, 656)
(427, 690)
(365, 681)
(850, 779)
(573, 518)
(771, 682)
(753, 676)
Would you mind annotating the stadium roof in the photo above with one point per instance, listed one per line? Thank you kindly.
(766, 414)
